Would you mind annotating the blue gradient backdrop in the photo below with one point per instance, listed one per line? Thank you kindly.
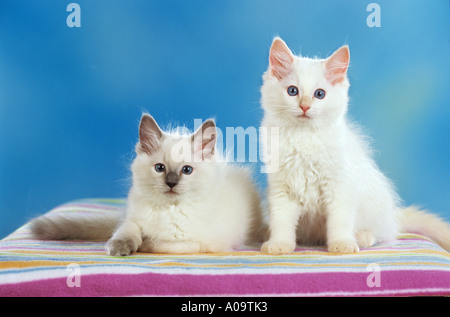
(71, 98)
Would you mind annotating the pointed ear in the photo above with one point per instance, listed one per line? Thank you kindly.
(204, 139)
(149, 135)
(337, 64)
(280, 59)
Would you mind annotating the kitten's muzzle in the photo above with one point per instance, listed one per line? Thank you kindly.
(172, 179)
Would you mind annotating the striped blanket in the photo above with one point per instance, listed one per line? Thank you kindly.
(411, 265)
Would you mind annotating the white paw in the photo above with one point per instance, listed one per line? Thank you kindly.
(365, 238)
(118, 247)
(277, 247)
(343, 246)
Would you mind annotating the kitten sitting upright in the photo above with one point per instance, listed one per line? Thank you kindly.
(183, 199)
(327, 190)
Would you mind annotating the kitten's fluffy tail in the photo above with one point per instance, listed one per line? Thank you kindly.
(418, 221)
(75, 227)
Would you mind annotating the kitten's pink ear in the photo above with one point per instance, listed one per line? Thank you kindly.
(337, 65)
(149, 135)
(204, 139)
(280, 59)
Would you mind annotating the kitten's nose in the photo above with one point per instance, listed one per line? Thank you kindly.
(171, 179)
(171, 185)
(305, 107)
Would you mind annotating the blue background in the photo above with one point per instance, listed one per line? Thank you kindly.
(71, 98)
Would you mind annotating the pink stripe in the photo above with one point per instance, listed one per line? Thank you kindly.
(392, 282)
(18, 248)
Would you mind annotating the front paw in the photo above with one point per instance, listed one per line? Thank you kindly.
(365, 238)
(343, 246)
(277, 247)
(121, 247)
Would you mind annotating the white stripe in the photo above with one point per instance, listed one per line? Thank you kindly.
(18, 276)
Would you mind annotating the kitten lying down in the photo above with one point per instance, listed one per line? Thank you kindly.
(184, 199)
(327, 189)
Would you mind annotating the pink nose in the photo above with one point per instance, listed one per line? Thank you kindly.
(305, 108)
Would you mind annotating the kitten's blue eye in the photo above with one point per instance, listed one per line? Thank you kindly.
(319, 93)
(160, 168)
(292, 91)
(187, 170)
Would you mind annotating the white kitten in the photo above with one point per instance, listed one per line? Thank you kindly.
(184, 199)
(327, 190)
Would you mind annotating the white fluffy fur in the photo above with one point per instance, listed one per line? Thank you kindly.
(214, 209)
(327, 190)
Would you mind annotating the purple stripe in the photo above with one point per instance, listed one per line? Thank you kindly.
(392, 282)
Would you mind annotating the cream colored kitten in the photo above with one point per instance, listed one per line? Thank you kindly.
(327, 190)
(184, 199)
